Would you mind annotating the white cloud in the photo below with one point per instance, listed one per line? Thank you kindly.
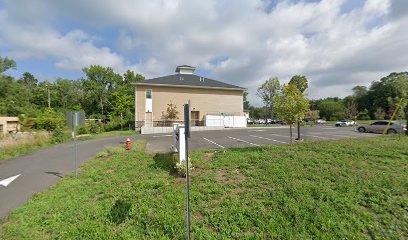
(235, 41)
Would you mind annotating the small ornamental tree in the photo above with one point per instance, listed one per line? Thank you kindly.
(302, 84)
(290, 104)
(171, 112)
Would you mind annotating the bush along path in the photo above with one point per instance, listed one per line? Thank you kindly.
(353, 189)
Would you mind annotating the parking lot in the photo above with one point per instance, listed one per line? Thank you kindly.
(252, 137)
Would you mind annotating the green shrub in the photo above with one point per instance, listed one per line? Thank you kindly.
(59, 136)
(83, 130)
(49, 120)
(95, 128)
(48, 124)
(91, 128)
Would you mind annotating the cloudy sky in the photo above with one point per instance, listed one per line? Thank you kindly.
(337, 44)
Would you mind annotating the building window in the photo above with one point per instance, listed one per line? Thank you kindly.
(148, 93)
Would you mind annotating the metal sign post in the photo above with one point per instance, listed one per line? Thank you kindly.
(75, 119)
(187, 135)
(74, 125)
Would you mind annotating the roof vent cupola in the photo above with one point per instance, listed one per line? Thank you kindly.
(185, 69)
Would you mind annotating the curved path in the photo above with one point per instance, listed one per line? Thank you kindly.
(24, 176)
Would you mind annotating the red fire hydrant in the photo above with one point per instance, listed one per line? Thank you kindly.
(128, 142)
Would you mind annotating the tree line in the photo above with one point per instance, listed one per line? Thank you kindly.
(101, 94)
(378, 101)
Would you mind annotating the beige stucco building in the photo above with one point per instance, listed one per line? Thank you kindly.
(206, 96)
(9, 125)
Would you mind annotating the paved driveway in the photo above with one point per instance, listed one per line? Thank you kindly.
(39, 170)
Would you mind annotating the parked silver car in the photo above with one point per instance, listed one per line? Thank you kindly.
(379, 127)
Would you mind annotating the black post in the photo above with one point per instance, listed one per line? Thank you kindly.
(187, 135)
(298, 131)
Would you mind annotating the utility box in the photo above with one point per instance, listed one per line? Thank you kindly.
(182, 144)
(179, 141)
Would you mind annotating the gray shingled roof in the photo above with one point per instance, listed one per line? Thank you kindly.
(188, 80)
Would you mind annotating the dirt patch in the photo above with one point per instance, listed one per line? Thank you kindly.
(196, 172)
(235, 177)
(110, 171)
(221, 176)
(232, 180)
(198, 216)
(209, 156)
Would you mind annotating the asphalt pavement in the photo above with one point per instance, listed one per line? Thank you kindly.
(252, 137)
(24, 176)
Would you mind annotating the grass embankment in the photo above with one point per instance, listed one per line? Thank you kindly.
(351, 189)
(105, 134)
(12, 146)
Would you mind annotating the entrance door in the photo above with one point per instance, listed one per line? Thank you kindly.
(195, 118)
(149, 119)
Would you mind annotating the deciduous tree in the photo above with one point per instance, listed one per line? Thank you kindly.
(302, 84)
(6, 64)
(267, 92)
(290, 104)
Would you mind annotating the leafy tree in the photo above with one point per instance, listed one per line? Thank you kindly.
(290, 104)
(312, 115)
(247, 106)
(29, 80)
(363, 115)
(394, 86)
(68, 94)
(267, 91)
(6, 64)
(330, 109)
(257, 112)
(397, 106)
(131, 77)
(123, 102)
(350, 107)
(300, 82)
(379, 114)
(100, 82)
(13, 97)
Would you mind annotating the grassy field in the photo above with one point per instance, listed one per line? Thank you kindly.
(106, 134)
(11, 146)
(351, 189)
